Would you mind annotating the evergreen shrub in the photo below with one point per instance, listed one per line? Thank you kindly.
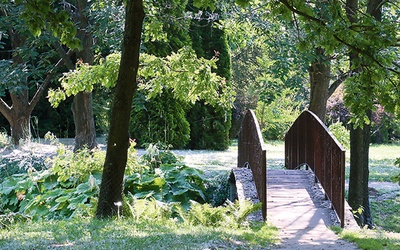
(161, 119)
(209, 127)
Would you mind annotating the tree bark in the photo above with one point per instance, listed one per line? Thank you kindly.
(118, 139)
(359, 175)
(319, 73)
(82, 107)
(85, 132)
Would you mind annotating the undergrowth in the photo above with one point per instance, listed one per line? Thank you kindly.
(165, 206)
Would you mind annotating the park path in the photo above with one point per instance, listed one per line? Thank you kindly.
(300, 213)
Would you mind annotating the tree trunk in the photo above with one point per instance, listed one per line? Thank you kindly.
(359, 175)
(82, 108)
(19, 114)
(118, 139)
(20, 126)
(319, 73)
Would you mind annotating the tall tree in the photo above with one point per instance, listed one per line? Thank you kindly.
(26, 75)
(118, 138)
(360, 133)
(82, 107)
(57, 19)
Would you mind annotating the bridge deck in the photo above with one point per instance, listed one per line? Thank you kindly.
(302, 220)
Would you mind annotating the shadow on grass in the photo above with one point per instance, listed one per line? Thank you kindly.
(128, 234)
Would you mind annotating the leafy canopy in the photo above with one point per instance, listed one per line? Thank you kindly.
(189, 77)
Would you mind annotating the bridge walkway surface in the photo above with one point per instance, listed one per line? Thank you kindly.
(296, 205)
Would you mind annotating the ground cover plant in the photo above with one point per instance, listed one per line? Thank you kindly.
(164, 204)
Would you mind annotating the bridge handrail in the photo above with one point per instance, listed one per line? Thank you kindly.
(252, 154)
(310, 142)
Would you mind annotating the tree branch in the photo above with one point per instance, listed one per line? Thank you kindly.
(337, 82)
(5, 109)
(46, 82)
(352, 47)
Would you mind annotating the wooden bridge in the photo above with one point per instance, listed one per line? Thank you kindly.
(310, 192)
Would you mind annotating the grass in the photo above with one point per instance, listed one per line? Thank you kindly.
(381, 162)
(372, 239)
(382, 158)
(130, 234)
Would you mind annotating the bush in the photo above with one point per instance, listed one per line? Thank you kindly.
(157, 154)
(166, 179)
(209, 127)
(160, 119)
(217, 189)
(277, 117)
(70, 188)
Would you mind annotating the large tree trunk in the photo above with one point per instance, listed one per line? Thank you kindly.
(85, 132)
(319, 73)
(118, 139)
(19, 113)
(82, 108)
(359, 175)
(20, 126)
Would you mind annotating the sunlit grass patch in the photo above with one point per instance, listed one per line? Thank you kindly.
(373, 239)
(130, 234)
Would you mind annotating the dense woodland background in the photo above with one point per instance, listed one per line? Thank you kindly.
(265, 60)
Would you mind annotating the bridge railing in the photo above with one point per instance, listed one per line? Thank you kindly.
(252, 154)
(309, 142)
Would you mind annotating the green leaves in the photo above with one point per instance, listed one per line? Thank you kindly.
(40, 15)
(169, 183)
(189, 77)
(203, 4)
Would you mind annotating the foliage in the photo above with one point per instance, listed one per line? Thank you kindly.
(341, 134)
(396, 178)
(217, 188)
(63, 191)
(70, 187)
(168, 183)
(189, 77)
(275, 118)
(16, 165)
(209, 127)
(160, 119)
(57, 20)
(231, 214)
(73, 168)
(166, 27)
(384, 125)
(158, 154)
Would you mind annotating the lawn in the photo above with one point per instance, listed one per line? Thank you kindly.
(130, 234)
